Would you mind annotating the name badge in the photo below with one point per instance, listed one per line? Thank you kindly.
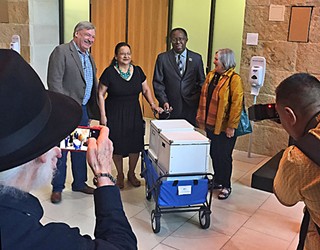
(184, 190)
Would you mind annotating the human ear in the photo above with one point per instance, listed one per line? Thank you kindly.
(291, 116)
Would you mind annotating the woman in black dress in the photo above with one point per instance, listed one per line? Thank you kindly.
(121, 110)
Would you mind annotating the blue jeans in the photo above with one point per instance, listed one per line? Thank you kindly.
(221, 148)
(78, 165)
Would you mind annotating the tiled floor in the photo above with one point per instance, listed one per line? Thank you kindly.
(249, 219)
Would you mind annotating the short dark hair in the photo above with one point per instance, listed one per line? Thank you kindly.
(299, 91)
(179, 29)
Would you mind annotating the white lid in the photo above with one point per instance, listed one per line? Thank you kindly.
(184, 137)
(174, 124)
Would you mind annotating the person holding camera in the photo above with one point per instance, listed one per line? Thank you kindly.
(121, 110)
(298, 177)
(219, 115)
(35, 121)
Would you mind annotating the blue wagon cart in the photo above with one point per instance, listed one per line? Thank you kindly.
(177, 192)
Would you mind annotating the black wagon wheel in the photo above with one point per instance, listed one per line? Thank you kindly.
(148, 194)
(155, 221)
(204, 217)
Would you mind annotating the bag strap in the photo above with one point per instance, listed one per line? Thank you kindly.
(309, 145)
(243, 106)
(303, 230)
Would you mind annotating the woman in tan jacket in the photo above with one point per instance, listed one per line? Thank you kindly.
(219, 114)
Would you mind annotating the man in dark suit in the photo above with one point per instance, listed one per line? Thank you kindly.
(178, 78)
(72, 71)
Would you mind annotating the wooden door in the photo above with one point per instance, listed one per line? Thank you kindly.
(144, 24)
(109, 17)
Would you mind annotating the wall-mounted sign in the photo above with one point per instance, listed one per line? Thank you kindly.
(300, 23)
(252, 38)
(276, 12)
(4, 16)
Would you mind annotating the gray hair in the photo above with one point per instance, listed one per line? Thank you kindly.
(227, 58)
(10, 183)
(84, 25)
(26, 177)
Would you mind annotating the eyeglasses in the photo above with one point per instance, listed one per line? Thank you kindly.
(125, 54)
(178, 39)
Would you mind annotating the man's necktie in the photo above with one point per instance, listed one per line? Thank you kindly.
(180, 65)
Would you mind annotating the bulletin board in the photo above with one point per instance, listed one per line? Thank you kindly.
(300, 23)
(4, 17)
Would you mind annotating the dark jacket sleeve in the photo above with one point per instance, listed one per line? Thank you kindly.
(20, 226)
(113, 230)
(195, 80)
(92, 106)
(56, 68)
(158, 82)
(200, 74)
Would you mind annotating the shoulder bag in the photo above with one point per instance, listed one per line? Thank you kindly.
(244, 126)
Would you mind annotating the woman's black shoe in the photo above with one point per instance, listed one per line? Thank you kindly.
(224, 194)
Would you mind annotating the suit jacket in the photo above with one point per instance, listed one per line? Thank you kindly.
(179, 91)
(66, 76)
(20, 226)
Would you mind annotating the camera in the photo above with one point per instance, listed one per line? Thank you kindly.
(78, 139)
(259, 112)
(164, 115)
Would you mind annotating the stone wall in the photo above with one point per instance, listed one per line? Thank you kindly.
(37, 24)
(283, 59)
(18, 24)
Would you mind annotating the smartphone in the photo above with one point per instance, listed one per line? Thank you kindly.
(78, 139)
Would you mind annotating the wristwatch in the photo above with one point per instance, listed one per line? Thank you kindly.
(96, 176)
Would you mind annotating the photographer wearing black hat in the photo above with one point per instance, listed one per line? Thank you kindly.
(298, 177)
(33, 121)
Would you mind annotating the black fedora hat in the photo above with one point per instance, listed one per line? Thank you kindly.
(32, 119)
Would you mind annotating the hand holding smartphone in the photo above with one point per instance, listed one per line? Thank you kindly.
(78, 139)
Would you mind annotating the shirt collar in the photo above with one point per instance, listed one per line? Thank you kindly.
(77, 48)
(183, 54)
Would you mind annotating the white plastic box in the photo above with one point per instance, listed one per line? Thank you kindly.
(183, 152)
(158, 126)
(154, 162)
